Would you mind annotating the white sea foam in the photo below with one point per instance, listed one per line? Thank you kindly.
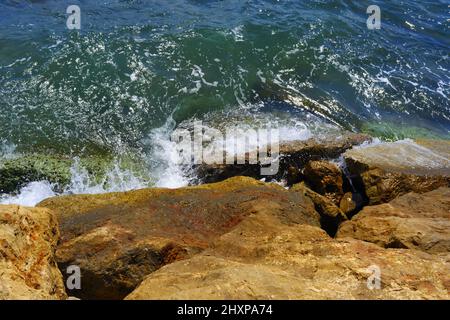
(31, 194)
(170, 169)
(165, 158)
(116, 179)
(164, 163)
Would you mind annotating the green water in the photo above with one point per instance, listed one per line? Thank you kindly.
(138, 69)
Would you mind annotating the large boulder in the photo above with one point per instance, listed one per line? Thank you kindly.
(28, 239)
(294, 155)
(117, 239)
(266, 258)
(414, 221)
(387, 170)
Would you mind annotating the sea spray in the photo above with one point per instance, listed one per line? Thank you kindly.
(7, 150)
(165, 161)
(31, 194)
(115, 179)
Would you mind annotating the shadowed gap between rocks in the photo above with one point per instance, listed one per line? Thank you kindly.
(102, 286)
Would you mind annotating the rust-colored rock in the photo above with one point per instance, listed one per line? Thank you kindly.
(117, 239)
(264, 258)
(414, 221)
(28, 271)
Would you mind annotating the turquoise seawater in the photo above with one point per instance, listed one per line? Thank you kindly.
(139, 68)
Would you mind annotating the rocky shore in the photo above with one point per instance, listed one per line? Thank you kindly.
(348, 207)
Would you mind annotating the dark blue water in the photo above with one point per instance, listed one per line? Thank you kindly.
(136, 64)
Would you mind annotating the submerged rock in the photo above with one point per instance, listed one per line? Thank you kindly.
(17, 171)
(388, 170)
(117, 239)
(391, 131)
(28, 239)
(294, 155)
(267, 258)
(413, 221)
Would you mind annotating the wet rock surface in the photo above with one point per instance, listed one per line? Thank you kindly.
(294, 155)
(19, 170)
(22, 169)
(28, 239)
(386, 171)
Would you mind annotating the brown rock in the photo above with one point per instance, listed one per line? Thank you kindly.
(325, 178)
(413, 221)
(294, 175)
(117, 239)
(264, 258)
(388, 170)
(347, 204)
(330, 215)
(28, 271)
